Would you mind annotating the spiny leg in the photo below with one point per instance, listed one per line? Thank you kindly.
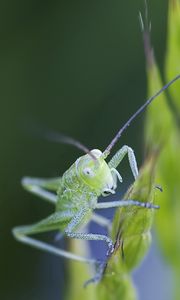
(40, 186)
(123, 203)
(118, 157)
(53, 222)
(89, 236)
(78, 219)
(116, 175)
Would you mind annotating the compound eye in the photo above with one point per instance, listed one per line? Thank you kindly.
(87, 171)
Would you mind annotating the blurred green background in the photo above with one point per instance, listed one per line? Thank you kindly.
(76, 67)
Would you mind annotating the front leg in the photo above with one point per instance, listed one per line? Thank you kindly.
(118, 157)
(76, 221)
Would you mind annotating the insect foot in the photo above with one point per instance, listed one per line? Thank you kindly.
(100, 267)
(110, 248)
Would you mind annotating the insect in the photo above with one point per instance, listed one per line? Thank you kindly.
(77, 192)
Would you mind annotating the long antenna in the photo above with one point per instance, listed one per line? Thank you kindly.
(140, 110)
(61, 138)
(40, 131)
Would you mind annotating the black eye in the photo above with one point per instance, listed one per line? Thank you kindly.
(87, 171)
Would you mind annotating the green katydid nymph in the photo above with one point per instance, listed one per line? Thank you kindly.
(75, 194)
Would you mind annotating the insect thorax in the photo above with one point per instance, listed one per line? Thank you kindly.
(73, 192)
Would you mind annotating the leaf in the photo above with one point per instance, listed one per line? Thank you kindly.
(172, 65)
(162, 132)
(131, 232)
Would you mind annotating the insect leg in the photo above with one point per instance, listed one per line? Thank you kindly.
(118, 157)
(51, 184)
(102, 221)
(53, 222)
(77, 220)
(123, 203)
(40, 186)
